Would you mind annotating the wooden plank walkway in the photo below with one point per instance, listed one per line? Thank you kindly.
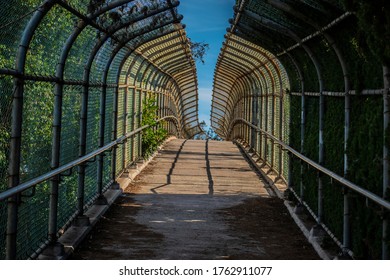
(197, 200)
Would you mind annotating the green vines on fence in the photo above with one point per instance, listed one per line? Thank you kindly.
(374, 26)
(365, 165)
(153, 136)
(364, 55)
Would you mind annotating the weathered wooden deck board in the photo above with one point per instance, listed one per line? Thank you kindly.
(197, 200)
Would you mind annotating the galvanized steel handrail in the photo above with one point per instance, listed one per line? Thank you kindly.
(31, 183)
(375, 198)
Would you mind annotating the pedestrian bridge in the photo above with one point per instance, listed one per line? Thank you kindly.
(89, 89)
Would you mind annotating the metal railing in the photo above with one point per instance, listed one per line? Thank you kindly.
(31, 183)
(385, 204)
(17, 191)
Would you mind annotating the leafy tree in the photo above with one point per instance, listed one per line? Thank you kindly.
(198, 50)
(208, 133)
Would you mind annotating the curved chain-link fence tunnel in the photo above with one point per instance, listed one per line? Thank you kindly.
(303, 84)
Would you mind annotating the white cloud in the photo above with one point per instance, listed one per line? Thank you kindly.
(205, 94)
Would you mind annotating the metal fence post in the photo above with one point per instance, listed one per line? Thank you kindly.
(139, 124)
(101, 200)
(303, 128)
(386, 187)
(346, 211)
(16, 128)
(55, 163)
(255, 116)
(124, 126)
(115, 184)
(317, 229)
(321, 157)
(281, 115)
(133, 124)
(290, 182)
(83, 220)
(260, 124)
(273, 129)
(266, 129)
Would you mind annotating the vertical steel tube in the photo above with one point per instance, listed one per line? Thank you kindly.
(114, 134)
(82, 220)
(56, 136)
(346, 211)
(133, 115)
(247, 117)
(14, 166)
(281, 122)
(133, 119)
(273, 130)
(290, 181)
(55, 159)
(139, 124)
(240, 114)
(255, 120)
(102, 125)
(316, 64)
(16, 128)
(303, 128)
(83, 146)
(266, 128)
(250, 116)
(124, 126)
(347, 110)
(246, 128)
(260, 124)
(386, 182)
(243, 128)
(321, 158)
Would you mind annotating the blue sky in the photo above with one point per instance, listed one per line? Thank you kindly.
(206, 21)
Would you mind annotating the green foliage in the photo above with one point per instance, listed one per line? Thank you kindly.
(198, 50)
(365, 165)
(308, 70)
(153, 136)
(334, 160)
(208, 133)
(295, 83)
(365, 169)
(364, 49)
(373, 25)
(42, 59)
(365, 68)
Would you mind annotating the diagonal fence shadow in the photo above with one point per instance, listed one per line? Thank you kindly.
(208, 169)
(169, 175)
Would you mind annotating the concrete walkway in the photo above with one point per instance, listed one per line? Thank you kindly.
(197, 200)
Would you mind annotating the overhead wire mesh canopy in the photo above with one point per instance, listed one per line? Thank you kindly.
(277, 25)
(171, 54)
(243, 68)
(264, 30)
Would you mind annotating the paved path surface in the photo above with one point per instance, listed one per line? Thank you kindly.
(197, 200)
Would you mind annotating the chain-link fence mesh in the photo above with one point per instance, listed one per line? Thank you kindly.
(37, 129)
